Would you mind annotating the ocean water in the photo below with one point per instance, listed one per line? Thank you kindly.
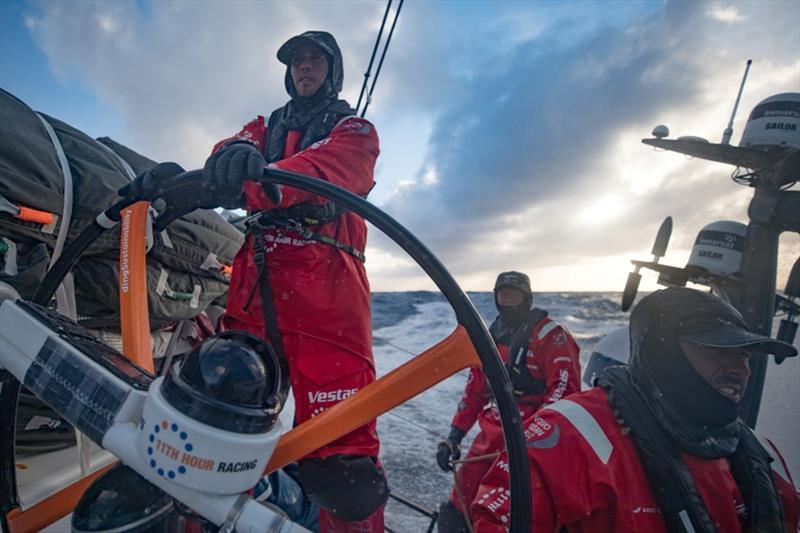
(407, 323)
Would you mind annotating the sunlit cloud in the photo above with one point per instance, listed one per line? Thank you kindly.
(727, 14)
(514, 142)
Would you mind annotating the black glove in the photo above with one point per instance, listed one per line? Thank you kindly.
(149, 185)
(449, 449)
(226, 171)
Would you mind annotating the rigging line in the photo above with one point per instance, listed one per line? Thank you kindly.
(383, 56)
(371, 59)
(409, 352)
(429, 430)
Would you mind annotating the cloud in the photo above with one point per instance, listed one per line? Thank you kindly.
(511, 130)
(527, 159)
(185, 74)
(727, 14)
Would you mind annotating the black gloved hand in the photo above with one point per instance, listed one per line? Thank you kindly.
(149, 185)
(449, 449)
(227, 169)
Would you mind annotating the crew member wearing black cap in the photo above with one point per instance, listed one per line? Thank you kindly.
(657, 445)
(299, 280)
(542, 361)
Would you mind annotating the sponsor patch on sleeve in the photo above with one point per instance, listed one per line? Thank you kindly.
(497, 501)
(541, 433)
(356, 125)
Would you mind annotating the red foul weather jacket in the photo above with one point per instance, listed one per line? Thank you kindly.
(553, 358)
(321, 293)
(586, 476)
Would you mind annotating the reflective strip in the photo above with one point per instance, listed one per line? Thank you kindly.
(586, 425)
(687, 523)
(547, 328)
(777, 464)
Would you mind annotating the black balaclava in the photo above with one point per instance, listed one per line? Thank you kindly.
(511, 317)
(692, 411)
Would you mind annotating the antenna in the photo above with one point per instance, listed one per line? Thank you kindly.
(372, 58)
(726, 135)
(383, 56)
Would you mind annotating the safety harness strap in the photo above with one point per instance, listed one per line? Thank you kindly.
(309, 235)
(522, 381)
(268, 310)
(300, 218)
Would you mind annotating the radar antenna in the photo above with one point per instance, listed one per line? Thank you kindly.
(726, 135)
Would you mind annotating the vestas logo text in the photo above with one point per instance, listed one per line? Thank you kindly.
(331, 396)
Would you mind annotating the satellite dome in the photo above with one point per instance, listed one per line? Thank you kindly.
(775, 121)
(718, 248)
(661, 131)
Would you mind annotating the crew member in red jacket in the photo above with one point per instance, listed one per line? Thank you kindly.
(542, 361)
(299, 280)
(657, 446)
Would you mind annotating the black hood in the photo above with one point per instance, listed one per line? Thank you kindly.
(699, 418)
(314, 115)
(324, 40)
(515, 280)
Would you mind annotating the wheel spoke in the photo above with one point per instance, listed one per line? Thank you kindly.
(432, 366)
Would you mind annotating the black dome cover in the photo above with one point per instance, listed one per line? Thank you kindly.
(231, 381)
(122, 501)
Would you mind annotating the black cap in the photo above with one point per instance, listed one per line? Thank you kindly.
(700, 318)
(517, 280)
(320, 39)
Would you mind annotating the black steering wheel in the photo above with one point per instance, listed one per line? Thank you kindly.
(181, 197)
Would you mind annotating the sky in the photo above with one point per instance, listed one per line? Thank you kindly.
(510, 131)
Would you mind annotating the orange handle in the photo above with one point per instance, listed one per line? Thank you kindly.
(400, 385)
(134, 318)
(34, 215)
